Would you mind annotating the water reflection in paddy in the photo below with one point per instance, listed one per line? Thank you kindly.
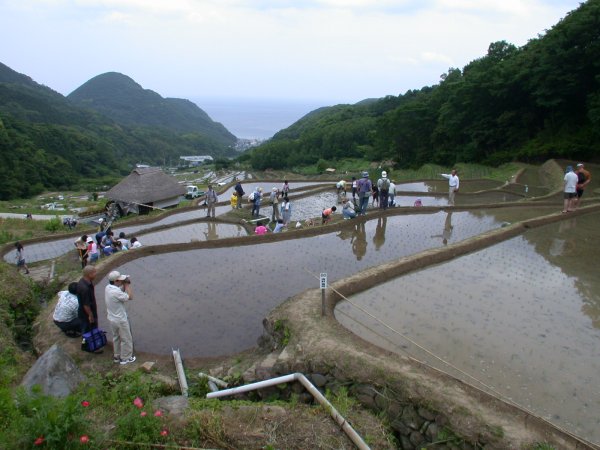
(522, 316)
(202, 231)
(211, 301)
(441, 186)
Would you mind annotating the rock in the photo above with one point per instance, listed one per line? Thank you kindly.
(216, 372)
(400, 428)
(416, 439)
(382, 402)
(426, 414)
(264, 369)
(173, 405)
(367, 401)
(317, 379)
(305, 398)
(405, 443)
(147, 366)
(432, 432)
(171, 382)
(55, 372)
(411, 418)
(249, 375)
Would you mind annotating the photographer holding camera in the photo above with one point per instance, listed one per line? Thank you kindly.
(117, 292)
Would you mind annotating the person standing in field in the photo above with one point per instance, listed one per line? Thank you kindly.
(364, 187)
(20, 257)
(285, 189)
(583, 179)
(286, 210)
(383, 184)
(274, 198)
(239, 191)
(211, 201)
(453, 185)
(570, 190)
(86, 297)
(117, 292)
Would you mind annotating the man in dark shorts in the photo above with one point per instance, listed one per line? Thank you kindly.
(87, 312)
(583, 179)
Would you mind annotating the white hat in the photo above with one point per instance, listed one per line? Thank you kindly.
(115, 275)
(274, 189)
(100, 219)
(384, 174)
(89, 240)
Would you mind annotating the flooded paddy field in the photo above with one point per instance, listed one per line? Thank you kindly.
(210, 302)
(522, 316)
(202, 231)
(267, 186)
(441, 186)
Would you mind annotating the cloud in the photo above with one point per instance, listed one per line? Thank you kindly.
(264, 48)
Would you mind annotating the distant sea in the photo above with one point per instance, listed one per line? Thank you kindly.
(255, 118)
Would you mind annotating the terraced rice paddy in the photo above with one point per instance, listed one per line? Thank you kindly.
(521, 316)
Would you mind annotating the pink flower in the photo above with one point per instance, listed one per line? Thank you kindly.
(158, 413)
(85, 403)
(138, 402)
(39, 441)
(164, 432)
(143, 414)
(84, 439)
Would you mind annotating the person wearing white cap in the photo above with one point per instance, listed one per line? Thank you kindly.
(117, 292)
(384, 188)
(255, 198)
(274, 198)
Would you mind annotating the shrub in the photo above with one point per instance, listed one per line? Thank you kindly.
(53, 224)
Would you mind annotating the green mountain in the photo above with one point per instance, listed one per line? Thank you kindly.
(49, 142)
(119, 97)
(531, 103)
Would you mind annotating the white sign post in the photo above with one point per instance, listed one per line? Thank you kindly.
(323, 279)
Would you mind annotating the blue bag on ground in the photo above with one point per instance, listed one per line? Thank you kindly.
(93, 340)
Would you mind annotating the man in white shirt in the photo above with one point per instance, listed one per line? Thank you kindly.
(453, 185)
(65, 314)
(570, 190)
(117, 292)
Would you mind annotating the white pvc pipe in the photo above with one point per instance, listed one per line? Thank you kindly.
(352, 434)
(213, 379)
(180, 373)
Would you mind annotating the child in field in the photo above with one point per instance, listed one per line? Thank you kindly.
(326, 214)
(20, 257)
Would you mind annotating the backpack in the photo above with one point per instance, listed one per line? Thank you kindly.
(385, 184)
(251, 196)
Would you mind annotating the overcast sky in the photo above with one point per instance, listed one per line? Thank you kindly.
(324, 50)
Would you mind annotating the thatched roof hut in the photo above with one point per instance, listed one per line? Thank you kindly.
(144, 188)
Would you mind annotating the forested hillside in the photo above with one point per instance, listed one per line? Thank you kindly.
(531, 103)
(119, 97)
(48, 142)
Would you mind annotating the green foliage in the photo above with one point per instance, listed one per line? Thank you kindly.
(53, 224)
(541, 446)
(341, 400)
(50, 142)
(142, 426)
(197, 386)
(19, 307)
(283, 332)
(526, 104)
(54, 422)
